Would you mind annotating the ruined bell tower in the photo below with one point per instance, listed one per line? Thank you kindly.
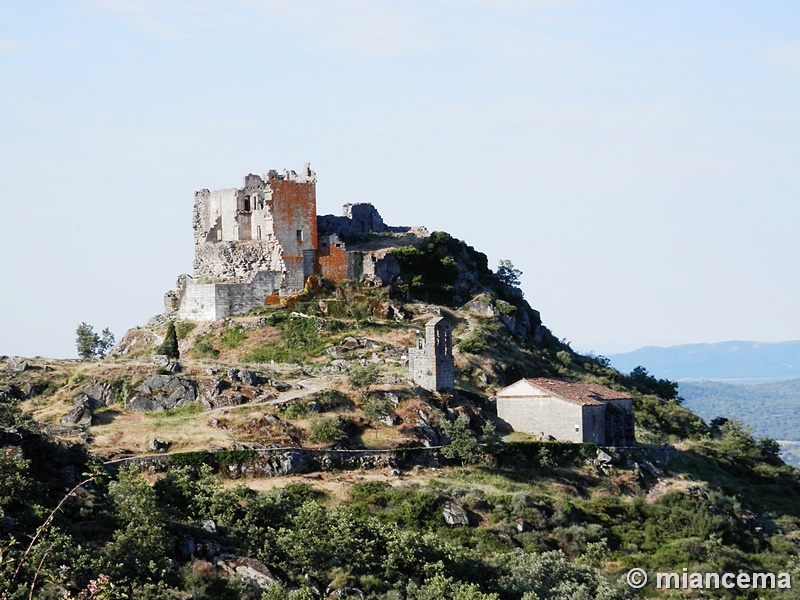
(431, 363)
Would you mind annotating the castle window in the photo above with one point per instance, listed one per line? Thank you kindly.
(299, 235)
(219, 235)
(258, 232)
(247, 204)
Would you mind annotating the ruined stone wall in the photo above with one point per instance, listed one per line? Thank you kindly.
(236, 261)
(332, 258)
(364, 218)
(294, 211)
(266, 225)
(212, 301)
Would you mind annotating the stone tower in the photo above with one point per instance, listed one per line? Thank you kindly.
(431, 362)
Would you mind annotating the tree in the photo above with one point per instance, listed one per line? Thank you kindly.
(648, 384)
(507, 274)
(463, 443)
(90, 345)
(170, 345)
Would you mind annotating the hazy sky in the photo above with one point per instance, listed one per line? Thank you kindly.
(638, 161)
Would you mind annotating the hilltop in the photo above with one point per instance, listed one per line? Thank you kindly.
(357, 482)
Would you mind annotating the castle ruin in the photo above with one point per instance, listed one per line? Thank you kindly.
(262, 241)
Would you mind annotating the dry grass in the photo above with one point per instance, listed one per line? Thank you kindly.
(130, 432)
(334, 485)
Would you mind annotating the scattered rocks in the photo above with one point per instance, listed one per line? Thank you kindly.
(454, 514)
(280, 386)
(162, 392)
(225, 401)
(651, 469)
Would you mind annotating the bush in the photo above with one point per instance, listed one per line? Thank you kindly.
(324, 429)
(233, 336)
(474, 343)
(204, 346)
(378, 409)
(463, 443)
(184, 328)
(362, 378)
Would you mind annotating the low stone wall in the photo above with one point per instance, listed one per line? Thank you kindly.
(274, 462)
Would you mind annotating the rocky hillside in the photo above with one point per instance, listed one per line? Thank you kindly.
(357, 483)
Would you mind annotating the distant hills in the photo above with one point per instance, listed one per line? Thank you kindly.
(771, 409)
(757, 383)
(734, 362)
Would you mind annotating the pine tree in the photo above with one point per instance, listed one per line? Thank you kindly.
(170, 345)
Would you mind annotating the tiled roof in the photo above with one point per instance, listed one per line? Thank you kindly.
(583, 394)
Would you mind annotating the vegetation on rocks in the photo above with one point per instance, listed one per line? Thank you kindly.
(491, 515)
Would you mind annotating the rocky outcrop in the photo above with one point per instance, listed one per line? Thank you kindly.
(17, 364)
(285, 462)
(81, 413)
(161, 392)
(252, 571)
(454, 514)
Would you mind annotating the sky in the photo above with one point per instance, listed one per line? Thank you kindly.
(637, 161)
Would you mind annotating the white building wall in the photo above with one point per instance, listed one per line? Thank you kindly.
(543, 416)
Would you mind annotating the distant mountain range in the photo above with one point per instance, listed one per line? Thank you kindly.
(734, 362)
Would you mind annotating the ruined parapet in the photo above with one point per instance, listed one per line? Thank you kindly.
(431, 364)
(364, 218)
(357, 219)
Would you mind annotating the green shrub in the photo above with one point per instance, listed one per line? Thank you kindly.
(233, 336)
(204, 346)
(378, 409)
(362, 378)
(474, 343)
(295, 410)
(184, 328)
(327, 430)
(334, 400)
(170, 345)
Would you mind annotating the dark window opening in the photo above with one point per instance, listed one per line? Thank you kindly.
(299, 235)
